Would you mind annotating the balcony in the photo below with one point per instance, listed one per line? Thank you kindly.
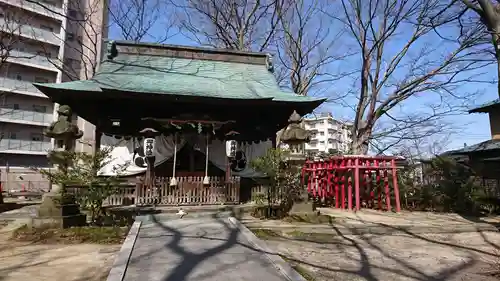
(31, 32)
(25, 117)
(14, 146)
(51, 11)
(20, 86)
(30, 59)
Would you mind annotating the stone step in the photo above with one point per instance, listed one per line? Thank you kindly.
(173, 216)
(145, 210)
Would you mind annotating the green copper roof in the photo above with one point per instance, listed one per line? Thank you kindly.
(485, 107)
(168, 75)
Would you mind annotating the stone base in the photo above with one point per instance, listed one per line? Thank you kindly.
(60, 222)
(303, 208)
(59, 211)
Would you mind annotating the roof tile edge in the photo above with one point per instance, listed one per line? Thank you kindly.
(192, 52)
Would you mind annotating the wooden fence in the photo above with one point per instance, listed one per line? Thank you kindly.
(189, 191)
(125, 195)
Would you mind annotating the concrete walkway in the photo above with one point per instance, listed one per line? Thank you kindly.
(202, 248)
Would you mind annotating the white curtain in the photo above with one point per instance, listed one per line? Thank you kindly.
(123, 151)
(217, 154)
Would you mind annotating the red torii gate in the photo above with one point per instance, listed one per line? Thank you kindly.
(327, 180)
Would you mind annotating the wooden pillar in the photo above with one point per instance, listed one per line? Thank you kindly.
(349, 185)
(395, 185)
(192, 159)
(273, 138)
(97, 138)
(356, 183)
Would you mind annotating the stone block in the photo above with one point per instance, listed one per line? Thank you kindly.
(58, 211)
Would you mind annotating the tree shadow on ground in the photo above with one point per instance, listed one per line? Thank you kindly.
(395, 229)
(495, 224)
(372, 271)
(365, 269)
(189, 260)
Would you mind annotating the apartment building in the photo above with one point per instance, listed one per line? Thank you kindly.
(327, 134)
(44, 41)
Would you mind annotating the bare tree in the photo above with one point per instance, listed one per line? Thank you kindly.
(87, 27)
(82, 34)
(412, 61)
(136, 19)
(247, 25)
(489, 14)
(308, 45)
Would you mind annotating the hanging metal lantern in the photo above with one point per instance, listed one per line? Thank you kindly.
(231, 147)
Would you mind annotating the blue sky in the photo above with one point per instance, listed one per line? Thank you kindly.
(474, 127)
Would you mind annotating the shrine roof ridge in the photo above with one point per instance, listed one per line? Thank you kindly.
(190, 52)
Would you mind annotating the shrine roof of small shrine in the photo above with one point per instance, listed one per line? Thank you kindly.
(181, 71)
(485, 146)
(487, 107)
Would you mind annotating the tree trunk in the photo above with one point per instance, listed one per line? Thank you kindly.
(497, 54)
(359, 145)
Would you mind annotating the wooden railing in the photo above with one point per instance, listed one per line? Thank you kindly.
(189, 191)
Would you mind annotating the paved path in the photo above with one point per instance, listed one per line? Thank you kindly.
(201, 249)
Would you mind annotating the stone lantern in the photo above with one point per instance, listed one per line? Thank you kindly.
(58, 207)
(295, 135)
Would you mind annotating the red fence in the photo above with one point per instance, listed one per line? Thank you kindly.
(332, 181)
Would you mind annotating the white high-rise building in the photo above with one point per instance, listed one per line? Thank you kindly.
(43, 41)
(328, 134)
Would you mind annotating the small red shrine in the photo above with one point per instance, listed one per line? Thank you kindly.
(371, 181)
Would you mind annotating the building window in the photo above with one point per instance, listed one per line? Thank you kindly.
(13, 136)
(321, 133)
(36, 137)
(44, 54)
(46, 27)
(40, 108)
(41, 80)
(19, 77)
(15, 106)
(321, 142)
(72, 13)
(71, 37)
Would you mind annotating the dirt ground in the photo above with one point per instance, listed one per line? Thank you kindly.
(465, 256)
(82, 262)
(331, 254)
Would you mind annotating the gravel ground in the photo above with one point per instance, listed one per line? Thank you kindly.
(52, 262)
(461, 256)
